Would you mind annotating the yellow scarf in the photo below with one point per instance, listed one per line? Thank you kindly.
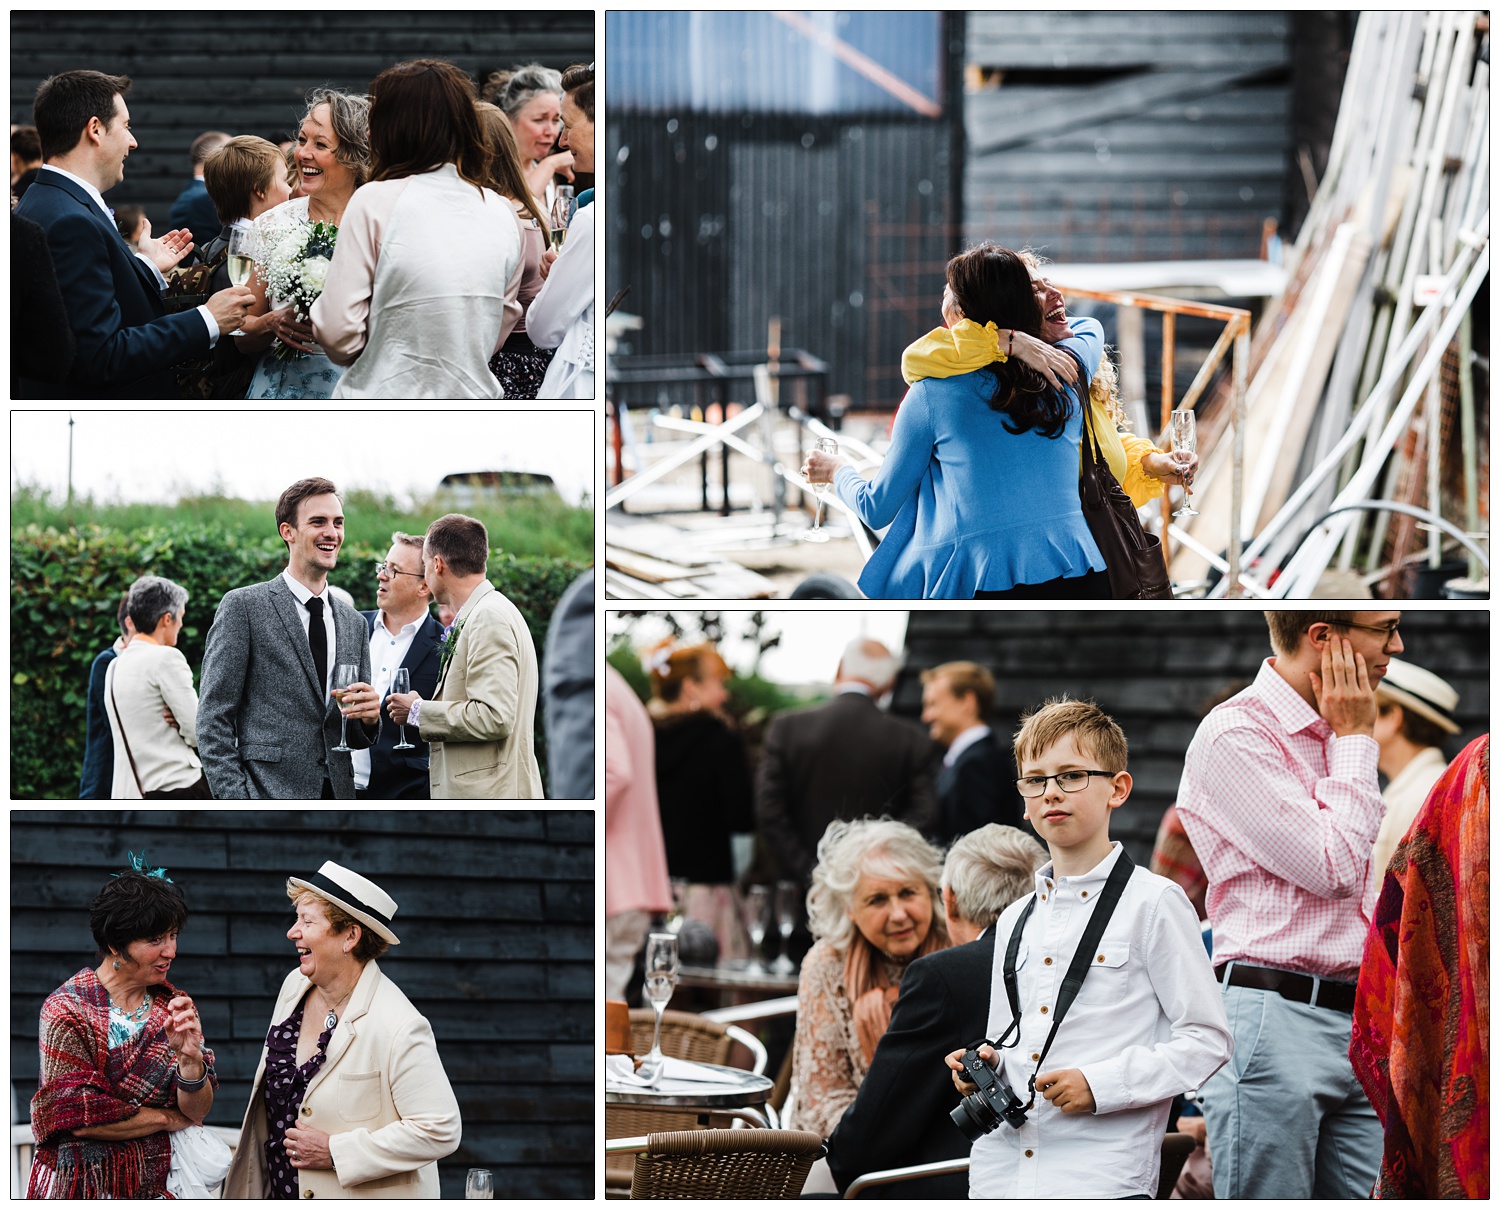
(948, 352)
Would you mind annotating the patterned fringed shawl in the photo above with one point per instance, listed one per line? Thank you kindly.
(1420, 1044)
(84, 1083)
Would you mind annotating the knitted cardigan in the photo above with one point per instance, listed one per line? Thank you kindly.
(84, 1083)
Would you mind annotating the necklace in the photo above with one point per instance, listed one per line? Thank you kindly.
(138, 1014)
(332, 1018)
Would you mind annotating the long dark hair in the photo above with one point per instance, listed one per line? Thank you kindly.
(422, 116)
(991, 283)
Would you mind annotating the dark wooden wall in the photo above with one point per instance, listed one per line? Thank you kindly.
(247, 71)
(1152, 669)
(496, 920)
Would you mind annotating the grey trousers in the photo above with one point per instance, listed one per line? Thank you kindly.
(1286, 1115)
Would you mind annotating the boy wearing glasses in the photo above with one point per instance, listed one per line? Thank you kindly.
(1147, 1022)
(1281, 801)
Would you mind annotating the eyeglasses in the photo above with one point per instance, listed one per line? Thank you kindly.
(1388, 631)
(385, 569)
(1070, 782)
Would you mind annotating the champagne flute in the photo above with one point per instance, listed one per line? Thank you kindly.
(244, 246)
(564, 207)
(344, 675)
(1184, 441)
(401, 683)
(480, 1185)
(661, 979)
(757, 909)
(788, 905)
(817, 533)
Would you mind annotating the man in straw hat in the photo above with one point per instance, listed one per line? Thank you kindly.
(1414, 711)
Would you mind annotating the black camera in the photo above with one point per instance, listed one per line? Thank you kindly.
(980, 1113)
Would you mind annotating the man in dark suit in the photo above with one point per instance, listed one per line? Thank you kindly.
(976, 785)
(194, 209)
(900, 1116)
(127, 342)
(403, 634)
(844, 759)
(99, 742)
(267, 721)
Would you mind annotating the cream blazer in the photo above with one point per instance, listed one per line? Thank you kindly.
(480, 724)
(382, 1096)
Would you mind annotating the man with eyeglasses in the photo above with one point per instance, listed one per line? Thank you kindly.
(403, 634)
(1281, 800)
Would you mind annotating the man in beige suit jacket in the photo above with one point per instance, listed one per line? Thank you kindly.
(480, 723)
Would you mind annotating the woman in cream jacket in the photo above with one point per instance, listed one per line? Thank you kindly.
(350, 1099)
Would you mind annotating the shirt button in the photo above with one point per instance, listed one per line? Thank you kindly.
(307, 1111)
(1028, 1153)
(1044, 1010)
(1044, 899)
(1083, 894)
(1046, 961)
(1101, 957)
(1036, 1058)
(307, 1193)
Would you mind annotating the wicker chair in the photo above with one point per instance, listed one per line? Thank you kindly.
(738, 1164)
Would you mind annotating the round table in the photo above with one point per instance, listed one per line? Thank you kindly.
(728, 1099)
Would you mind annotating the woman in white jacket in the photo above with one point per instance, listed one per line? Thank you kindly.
(155, 752)
(562, 314)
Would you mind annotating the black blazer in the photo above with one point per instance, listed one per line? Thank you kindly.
(194, 209)
(844, 759)
(127, 343)
(900, 1116)
(978, 788)
(404, 774)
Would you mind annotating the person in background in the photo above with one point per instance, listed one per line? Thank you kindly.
(42, 344)
(900, 1116)
(1413, 714)
(636, 884)
(25, 158)
(193, 209)
(99, 745)
(531, 97)
(133, 226)
(568, 690)
(974, 787)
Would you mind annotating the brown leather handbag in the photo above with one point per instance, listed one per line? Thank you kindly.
(1132, 557)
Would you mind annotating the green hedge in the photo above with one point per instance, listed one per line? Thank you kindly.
(66, 585)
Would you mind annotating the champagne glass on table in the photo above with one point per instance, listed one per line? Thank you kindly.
(661, 980)
(480, 1185)
(401, 683)
(788, 904)
(244, 247)
(1184, 444)
(757, 911)
(825, 445)
(564, 207)
(344, 675)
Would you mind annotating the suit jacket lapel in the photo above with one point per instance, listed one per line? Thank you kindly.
(422, 643)
(483, 590)
(348, 1027)
(287, 608)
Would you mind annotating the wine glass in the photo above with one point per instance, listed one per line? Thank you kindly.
(244, 247)
(661, 979)
(564, 207)
(1184, 441)
(817, 533)
(788, 906)
(480, 1185)
(344, 675)
(401, 683)
(757, 909)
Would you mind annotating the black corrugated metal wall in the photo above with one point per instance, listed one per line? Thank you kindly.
(496, 920)
(247, 70)
(1152, 670)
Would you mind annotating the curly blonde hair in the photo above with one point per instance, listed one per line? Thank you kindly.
(880, 848)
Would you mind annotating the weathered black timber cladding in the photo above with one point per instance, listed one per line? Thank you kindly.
(1152, 670)
(247, 71)
(496, 912)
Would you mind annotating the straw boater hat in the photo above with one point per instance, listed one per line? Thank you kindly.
(1421, 692)
(357, 895)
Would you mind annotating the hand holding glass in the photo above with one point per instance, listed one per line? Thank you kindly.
(1184, 441)
(824, 445)
(402, 684)
(661, 980)
(344, 675)
(244, 247)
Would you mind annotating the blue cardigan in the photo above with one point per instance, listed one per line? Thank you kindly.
(971, 505)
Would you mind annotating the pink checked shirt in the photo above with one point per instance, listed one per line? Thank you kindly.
(1282, 814)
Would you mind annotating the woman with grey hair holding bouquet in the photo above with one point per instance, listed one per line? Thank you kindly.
(150, 700)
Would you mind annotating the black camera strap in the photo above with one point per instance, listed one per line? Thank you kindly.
(1104, 908)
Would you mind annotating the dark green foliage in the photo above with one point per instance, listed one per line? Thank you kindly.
(65, 586)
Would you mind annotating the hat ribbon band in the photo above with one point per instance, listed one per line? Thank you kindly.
(341, 892)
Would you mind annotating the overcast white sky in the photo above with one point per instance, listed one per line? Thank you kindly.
(811, 640)
(160, 456)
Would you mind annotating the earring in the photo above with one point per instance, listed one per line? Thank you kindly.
(117, 964)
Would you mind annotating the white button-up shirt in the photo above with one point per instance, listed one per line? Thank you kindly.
(1148, 1023)
(304, 594)
(387, 651)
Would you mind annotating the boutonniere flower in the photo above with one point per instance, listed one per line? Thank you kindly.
(449, 641)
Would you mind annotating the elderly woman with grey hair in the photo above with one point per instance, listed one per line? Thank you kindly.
(531, 97)
(873, 907)
(149, 697)
(333, 160)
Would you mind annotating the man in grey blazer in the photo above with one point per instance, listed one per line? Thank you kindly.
(267, 724)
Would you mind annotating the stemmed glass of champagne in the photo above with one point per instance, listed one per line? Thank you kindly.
(564, 207)
(479, 1186)
(244, 247)
(344, 675)
(788, 904)
(661, 980)
(817, 533)
(401, 683)
(757, 911)
(1184, 444)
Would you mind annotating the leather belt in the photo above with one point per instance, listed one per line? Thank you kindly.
(1304, 989)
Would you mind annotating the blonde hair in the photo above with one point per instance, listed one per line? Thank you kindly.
(851, 849)
(1093, 731)
(370, 944)
(235, 170)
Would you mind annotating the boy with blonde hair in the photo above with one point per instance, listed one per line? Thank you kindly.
(1094, 1067)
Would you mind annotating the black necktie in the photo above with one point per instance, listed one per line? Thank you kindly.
(317, 638)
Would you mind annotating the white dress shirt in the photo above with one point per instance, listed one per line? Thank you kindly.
(304, 594)
(208, 318)
(964, 740)
(1148, 1023)
(387, 651)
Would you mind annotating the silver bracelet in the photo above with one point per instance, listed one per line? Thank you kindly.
(186, 1085)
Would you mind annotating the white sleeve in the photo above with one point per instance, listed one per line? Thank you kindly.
(569, 288)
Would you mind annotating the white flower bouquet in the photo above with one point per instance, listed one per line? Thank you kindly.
(297, 256)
